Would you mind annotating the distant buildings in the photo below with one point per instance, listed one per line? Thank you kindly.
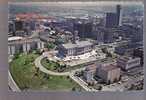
(126, 63)
(139, 53)
(21, 28)
(109, 73)
(84, 28)
(111, 20)
(104, 35)
(20, 44)
(114, 19)
(127, 48)
(11, 26)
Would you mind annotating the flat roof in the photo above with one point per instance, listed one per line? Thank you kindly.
(14, 38)
(77, 44)
(92, 67)
(109, 67)
(23, 40)
(126, 58)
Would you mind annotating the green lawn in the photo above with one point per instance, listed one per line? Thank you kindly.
(50, 65)
(24, 73)
(54, 66)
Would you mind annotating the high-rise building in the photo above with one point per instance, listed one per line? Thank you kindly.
(84, 29)
(103, 35)
(114, 19)
(119, 14)
(111, 20)
(139, 53)
(19, 25)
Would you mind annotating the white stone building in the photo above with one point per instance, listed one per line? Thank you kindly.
(20, 44)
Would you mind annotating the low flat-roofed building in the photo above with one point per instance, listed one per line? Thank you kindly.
(74, 49)
(20, 44)
(47, 38)
(109, 73)
(126, 63)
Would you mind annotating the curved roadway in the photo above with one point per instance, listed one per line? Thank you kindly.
(70, 74)
(39, 65)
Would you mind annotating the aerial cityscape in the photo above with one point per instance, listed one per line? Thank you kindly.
(75, 47)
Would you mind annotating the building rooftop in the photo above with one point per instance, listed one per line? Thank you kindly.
(127, 58)
(109, 67)
(14, 38)
(22, 40)
(77, 44)
(92, 67)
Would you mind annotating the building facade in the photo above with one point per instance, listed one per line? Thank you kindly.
(19, 44)
(126, 63)
(109, 73)
(114, 19)
(74, 49)
(84, 29)
(89, 73)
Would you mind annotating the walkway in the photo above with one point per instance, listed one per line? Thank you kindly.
(12, 83)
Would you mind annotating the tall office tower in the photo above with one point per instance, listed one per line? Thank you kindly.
(119, 15)
(114, 19)
(84, 29)
(111, 20)
(108, 36)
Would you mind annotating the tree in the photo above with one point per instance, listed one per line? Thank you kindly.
(115, 80)
(74, 89)
(37, 71)
(50, 46)
(90, 84)
(67, 77)
(104, 50)
(109, 54)
(108, 82)
(16, 55)
(99, 88)
(46, 76)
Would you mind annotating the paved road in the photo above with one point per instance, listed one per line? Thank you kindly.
(12, 83)
(13, 86)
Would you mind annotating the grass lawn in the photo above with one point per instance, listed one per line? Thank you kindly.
(24, 73)
(53, 66)
(50, 65)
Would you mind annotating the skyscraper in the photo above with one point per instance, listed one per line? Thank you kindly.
(119, 14)
(114, 19)
(84, 29)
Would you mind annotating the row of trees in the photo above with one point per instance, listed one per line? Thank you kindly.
(108, 54)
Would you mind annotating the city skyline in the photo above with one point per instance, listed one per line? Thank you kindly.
(82, 47)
